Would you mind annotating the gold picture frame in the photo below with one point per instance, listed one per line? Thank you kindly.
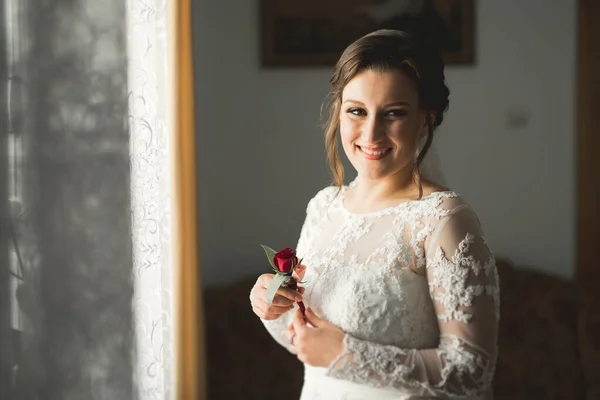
(315, 32)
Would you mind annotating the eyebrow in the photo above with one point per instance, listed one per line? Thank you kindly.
(395, 103)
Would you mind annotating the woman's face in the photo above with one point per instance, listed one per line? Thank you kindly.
(381, 123)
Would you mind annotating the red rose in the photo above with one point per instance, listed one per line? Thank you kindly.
(283, 264)
(285, 260)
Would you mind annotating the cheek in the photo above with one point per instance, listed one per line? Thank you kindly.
(405, 133)
(348, 130)
(351, 124)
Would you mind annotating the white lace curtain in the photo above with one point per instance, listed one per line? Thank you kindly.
(151, 148)
(78, 175)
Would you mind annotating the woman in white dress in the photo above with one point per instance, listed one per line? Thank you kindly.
(401, 287)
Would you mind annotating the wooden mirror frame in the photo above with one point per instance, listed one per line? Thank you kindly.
(189, 339)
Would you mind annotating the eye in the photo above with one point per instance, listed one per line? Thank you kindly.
(356, 111)
(399, 112)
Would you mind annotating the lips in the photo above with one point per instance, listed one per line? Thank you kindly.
(374, 153)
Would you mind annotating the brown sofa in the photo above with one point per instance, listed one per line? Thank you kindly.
(540, 339)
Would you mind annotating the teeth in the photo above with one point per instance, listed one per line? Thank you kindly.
(374, 153)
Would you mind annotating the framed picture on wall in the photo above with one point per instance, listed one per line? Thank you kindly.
(315, 32)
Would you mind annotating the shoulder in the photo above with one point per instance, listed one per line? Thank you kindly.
(323, 197)
(327, 193)
(455, 221)
(449, 209)
(448, 202)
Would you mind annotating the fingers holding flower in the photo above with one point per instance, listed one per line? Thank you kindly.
(299, 272)
(291, 335)
(284, 265)
(282, 302)
(316, 341)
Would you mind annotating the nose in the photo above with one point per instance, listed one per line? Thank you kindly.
(372, 131)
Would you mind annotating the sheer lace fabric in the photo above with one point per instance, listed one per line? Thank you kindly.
(415, 289)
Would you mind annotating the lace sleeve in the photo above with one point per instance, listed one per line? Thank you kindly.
(277, 328)
(463, 285)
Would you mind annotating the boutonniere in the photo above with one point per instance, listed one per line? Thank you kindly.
(283, 263)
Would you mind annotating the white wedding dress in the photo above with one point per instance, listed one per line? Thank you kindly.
(415, 289)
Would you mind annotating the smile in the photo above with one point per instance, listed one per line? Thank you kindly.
(374, 154)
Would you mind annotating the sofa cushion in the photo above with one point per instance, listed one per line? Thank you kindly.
(538, 340)
(244, 362)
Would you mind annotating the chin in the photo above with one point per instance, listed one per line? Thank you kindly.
(378, 174)
(369, 174)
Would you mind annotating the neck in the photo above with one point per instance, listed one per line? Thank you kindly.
(398, 185)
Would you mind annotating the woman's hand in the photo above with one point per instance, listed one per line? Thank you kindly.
(282, 302)
(317, 345)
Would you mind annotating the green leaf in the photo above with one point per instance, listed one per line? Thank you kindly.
(270, 254)
(276, 283)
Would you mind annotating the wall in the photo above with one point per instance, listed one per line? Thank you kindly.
(507, 144)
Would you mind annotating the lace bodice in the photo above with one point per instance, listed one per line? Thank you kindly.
(415, 289)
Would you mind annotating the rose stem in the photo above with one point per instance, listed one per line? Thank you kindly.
(293, 284)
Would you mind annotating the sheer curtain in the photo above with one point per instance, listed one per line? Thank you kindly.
(151, 149)
(88, 216)
(70, 223)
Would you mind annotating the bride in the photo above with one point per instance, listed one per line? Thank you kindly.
(401, 287)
